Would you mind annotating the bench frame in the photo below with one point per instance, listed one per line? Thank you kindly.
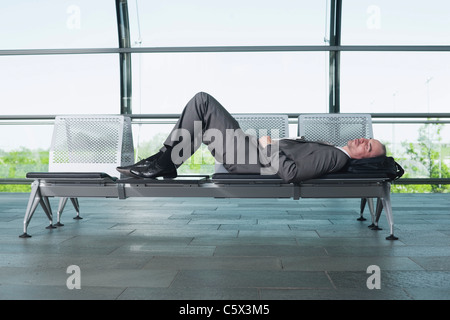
(66, 185)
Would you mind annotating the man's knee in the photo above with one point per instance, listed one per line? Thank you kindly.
(204, 102)
(202, 96)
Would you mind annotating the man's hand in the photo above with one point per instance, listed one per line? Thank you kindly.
(264, 141)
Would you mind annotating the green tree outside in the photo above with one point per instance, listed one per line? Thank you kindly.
(16, 164)
(425, 159)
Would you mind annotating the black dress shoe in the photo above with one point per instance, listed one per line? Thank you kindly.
(146, 161)
(149, 168)
(126, 169)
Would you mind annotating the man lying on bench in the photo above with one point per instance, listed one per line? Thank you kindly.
(205, 120)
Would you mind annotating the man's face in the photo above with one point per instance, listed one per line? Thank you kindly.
(365, 148)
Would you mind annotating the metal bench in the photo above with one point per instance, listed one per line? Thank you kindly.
(71, 184)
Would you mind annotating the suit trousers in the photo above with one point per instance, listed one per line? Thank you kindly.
(205, 120)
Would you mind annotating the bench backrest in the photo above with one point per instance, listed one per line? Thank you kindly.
(91, 143)
(274, 125)
(336, 129)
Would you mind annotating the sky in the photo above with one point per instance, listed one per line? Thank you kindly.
(287, 82)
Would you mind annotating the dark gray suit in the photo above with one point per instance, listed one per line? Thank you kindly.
(292, 160)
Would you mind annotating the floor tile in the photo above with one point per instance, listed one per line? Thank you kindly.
(226, 249)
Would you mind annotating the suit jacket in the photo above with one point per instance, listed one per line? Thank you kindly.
(300, 160)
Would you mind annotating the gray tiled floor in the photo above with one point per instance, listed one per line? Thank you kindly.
(180, 248)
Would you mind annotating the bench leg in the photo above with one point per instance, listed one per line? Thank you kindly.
(378, 213)
(376, 216)
(386, 199)
(61, 205)
(361, 212)
(369, 202)
(45, 204)
(34, 200)
(76, 205)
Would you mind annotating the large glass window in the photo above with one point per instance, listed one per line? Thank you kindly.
(25, 136)
(50, 24)
(402, 82)
(223, 23)
(400, 22)
(59, 84)
(243, 82)
(398, 82)
(40, 82)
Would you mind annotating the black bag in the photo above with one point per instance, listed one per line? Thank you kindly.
(381, 165)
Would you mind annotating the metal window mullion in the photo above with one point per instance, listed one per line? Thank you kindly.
(124, 57)
(335, 55)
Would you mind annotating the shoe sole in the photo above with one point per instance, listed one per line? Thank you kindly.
(171, 176)
(128, 173)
